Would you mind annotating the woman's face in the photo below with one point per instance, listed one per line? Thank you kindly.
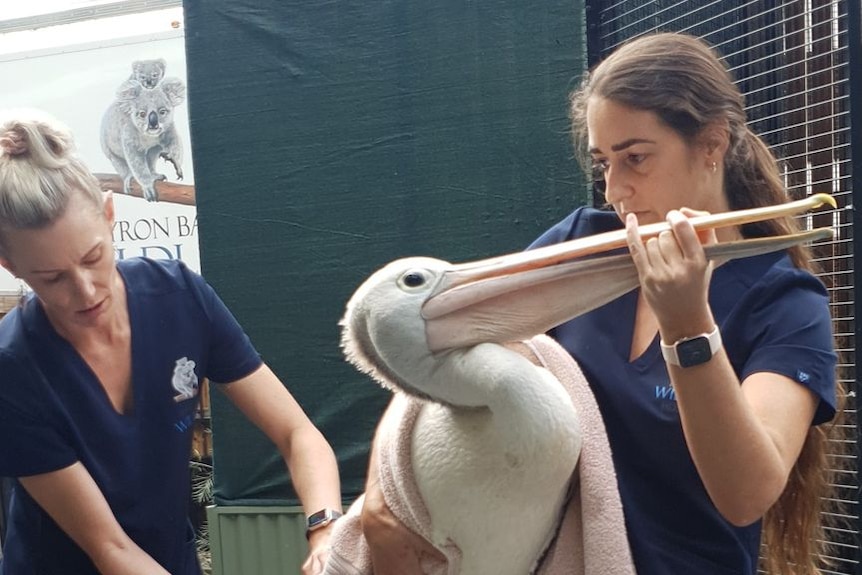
(648, 168)
(70, 263)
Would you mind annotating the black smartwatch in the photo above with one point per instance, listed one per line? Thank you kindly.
(320, 519)
(691, 351)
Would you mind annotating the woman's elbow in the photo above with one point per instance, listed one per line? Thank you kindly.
(744, 509)
(743, 517)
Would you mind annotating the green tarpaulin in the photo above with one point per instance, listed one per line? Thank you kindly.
(332, 137)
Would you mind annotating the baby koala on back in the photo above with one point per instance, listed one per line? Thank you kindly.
(148, 72)
(138, 128)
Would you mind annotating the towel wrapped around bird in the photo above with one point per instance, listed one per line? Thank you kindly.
(591, 536)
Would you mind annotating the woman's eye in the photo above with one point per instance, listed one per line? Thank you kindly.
(636, 158)
(92, 258)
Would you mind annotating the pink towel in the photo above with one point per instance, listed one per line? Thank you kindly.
(592, 535)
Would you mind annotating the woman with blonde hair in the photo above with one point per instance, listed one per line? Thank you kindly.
(101, 367)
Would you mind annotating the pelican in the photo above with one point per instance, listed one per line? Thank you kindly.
(497, 438)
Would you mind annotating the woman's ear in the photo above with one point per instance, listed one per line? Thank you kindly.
(108, 207)
(714, 140)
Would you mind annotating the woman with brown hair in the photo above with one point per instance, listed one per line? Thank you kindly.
(713, 438)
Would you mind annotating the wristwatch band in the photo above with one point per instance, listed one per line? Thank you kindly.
(320, 519)
(691, 351)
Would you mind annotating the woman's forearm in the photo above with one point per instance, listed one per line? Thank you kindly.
(313, 470)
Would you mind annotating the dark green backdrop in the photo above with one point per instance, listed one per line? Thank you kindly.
(332, 137)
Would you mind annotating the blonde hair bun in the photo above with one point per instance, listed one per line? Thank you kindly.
(39, 170)
(35, 134)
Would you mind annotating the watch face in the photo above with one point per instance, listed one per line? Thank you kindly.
(693, 351)
(316, 519)
(322, 518)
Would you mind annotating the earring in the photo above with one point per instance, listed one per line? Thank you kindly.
(714, 167)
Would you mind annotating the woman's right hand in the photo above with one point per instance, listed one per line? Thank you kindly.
(72, 499)
(395, 549)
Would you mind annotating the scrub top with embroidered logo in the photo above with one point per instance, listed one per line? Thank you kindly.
(773, 317)
(54, 412)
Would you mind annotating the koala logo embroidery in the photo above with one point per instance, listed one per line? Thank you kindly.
(138, 127)
(184, 380)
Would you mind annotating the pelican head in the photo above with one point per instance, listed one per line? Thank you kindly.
(383, 330)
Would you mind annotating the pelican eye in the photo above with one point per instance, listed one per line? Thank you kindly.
(413, 279)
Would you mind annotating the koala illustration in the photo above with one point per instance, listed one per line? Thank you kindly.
(184, 380)
(138, 129)
(148, 72)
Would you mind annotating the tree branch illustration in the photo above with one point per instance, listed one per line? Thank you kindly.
(168, 191)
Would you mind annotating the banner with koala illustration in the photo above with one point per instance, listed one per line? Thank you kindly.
(124, 98)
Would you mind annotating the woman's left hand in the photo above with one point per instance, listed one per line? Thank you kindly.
(318, 544)
(674, 272)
